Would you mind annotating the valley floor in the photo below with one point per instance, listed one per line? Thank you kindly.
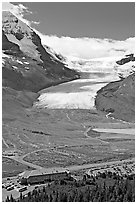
(47, 136)
(62, 138)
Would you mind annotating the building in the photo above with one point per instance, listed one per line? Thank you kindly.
(42, 175)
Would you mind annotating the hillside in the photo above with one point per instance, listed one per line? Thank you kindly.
(118, 98)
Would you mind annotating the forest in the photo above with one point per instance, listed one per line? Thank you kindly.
(101, 189)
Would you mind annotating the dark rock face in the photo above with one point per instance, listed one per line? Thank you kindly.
(127, 59)
(27, 65)
(9, 47)
(118, 99)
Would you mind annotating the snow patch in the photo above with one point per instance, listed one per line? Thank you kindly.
(3, 61)
(4, 55)
(26, 62)
(27, 68)
(19, 62)
(14, 67)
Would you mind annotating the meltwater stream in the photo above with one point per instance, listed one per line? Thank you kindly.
(127, 131)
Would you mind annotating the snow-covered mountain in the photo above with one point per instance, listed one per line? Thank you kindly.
(27, 65)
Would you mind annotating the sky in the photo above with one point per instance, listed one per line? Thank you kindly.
(113, 20)
(81, 29)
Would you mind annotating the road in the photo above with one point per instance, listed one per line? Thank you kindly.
(87, 166)
(19, 159)
(71, 168)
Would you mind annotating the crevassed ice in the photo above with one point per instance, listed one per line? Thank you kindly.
(83, 98)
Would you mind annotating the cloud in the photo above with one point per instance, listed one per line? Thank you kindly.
(87, 48)
(84, 48)
(18, 10)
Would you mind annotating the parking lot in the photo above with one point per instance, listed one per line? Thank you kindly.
(13, 181)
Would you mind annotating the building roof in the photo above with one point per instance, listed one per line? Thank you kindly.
(27, 174)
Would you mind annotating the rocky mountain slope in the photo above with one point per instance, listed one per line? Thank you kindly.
(117, 99)
(27, 65)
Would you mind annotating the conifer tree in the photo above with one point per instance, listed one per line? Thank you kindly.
(11, 198)
(7, 199)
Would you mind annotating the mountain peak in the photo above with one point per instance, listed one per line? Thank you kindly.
(13, 25)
